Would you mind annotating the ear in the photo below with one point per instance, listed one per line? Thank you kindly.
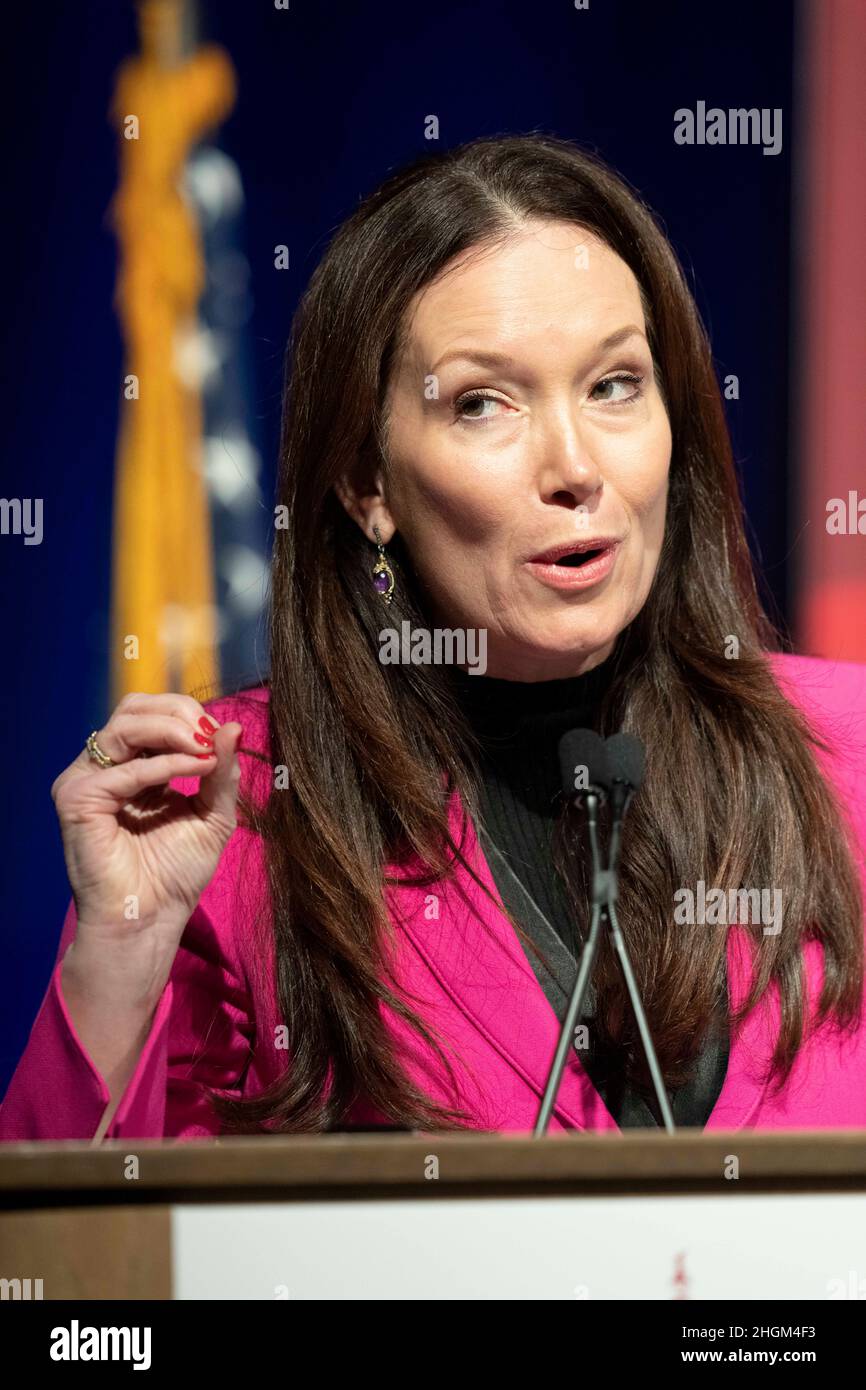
(368, 509)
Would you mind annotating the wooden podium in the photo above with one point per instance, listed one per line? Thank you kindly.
(739, 1215)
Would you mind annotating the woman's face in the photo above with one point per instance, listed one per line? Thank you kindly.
(525, 419)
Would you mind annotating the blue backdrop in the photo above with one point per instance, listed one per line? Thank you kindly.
(331, 96)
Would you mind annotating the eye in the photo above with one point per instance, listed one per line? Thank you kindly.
(471, 398)
(625, 379)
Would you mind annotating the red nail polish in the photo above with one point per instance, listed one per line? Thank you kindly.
(205, 742)
(208, 725)
(206, 756)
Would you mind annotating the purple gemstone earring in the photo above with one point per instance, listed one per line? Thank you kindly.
(383, 575)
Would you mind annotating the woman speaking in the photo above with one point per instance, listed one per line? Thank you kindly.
(355, 896)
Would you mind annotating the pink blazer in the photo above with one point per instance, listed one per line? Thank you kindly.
(459, 959)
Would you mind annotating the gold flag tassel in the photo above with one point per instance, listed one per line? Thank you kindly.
(164, 632)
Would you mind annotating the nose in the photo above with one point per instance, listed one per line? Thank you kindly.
(567, 470)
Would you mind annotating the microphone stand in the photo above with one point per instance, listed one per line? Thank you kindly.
(605, 890)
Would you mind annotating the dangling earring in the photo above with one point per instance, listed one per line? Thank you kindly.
(383, 575)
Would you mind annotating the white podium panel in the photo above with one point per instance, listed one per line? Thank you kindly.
(733, 1246)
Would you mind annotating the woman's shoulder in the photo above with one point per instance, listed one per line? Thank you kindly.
(822, 686)
(832, 696)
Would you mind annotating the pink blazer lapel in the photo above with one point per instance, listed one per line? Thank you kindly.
(473, 952)
(471, 949)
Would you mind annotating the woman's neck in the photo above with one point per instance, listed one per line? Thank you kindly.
(499, 708)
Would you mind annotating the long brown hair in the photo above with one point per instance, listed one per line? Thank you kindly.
(733, 794)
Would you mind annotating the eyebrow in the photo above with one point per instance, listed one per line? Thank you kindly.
(500, 359)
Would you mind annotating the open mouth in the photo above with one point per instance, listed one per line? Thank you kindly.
(589, 561)
(579, 557)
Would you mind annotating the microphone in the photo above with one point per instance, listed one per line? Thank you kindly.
(614, 770)
(626, 758)
(583, 750)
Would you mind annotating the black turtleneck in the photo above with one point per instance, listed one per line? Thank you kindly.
(518, 726)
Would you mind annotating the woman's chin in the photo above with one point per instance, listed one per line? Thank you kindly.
(557, 658)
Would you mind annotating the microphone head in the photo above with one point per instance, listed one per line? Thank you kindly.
(583, 762)
(626, 758)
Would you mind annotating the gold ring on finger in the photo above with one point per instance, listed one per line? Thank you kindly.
(96, 753)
